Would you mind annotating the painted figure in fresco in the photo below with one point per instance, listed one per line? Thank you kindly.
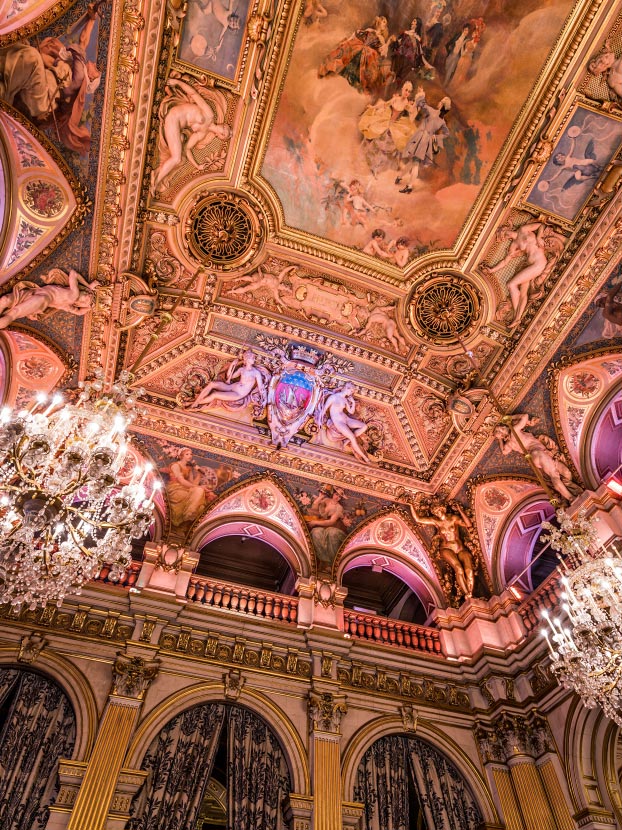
(384, 317)
(527, 241)
(576, 168)
(472, 160)
(313, 12)
(326, 520)
(407, 56)
(426, 141)
(50, 83)
(337, 413)
(611, 307)
(543, 451)
(452, 548)
(607, 64)
(377, 245)
(265, 282)
(455, 49)
(355, 205)
(386, 127)
(188, 495)
(225, 18)
(186, 121)
(242, 378)
(61, 292)
(359, 58)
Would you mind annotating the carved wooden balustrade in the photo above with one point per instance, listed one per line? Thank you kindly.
(391, 632)
(245, 600)
(546, 596)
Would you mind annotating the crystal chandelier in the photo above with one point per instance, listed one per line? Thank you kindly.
(586, 646)
(65, 508)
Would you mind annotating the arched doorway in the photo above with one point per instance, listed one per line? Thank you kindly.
(406, 783)
(37, 728)
(214, 765)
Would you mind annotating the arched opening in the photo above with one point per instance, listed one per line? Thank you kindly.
(405, 782)
(525, 561)
(37, 728)
(211, 766)
(606, 441)
(247, 561)
(378, 591)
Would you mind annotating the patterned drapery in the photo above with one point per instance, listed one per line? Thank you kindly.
(38, 728)
(382, 785)
(179, 762)
(442, 793)
(258, 779)
(445, 798)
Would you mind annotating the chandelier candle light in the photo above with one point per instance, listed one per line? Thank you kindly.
(586, 647)
(65, 510)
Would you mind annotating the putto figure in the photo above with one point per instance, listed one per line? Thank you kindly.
(242, 379)
(544, 453)
(451, 526)
(61, 292)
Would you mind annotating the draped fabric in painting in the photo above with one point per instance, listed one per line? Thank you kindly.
(37, 728)
(257, 776)
(179, 762)
(445, 798)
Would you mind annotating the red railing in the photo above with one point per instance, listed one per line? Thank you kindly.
(243, 600)
(546, 596)
(391, 632)
(128, 580)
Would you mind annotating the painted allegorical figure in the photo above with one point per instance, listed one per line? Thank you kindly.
(50, 82)
(188, 495)
(326, 519)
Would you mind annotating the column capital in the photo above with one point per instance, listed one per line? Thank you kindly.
(132, 675)
(511, 736)
(325, 711)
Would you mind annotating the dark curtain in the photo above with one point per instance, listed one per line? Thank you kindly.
(439, 790)
(179, 762)
(37, 729)
(257, 775)
(382, 785)
(445, 798)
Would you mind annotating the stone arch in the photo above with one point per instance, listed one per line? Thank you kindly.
(240, 512)
(580, 392)
(74, 685)
(517, 539)
(591, 773)
(421, 583)
(427, 731)
(289, 737)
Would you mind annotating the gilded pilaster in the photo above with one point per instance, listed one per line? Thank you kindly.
(132, 675)
(507, 797)
(555, 794)
(325, 712)
(530, 794)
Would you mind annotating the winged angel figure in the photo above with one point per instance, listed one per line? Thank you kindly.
(61, 292)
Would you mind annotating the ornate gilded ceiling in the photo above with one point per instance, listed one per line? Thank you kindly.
(334, 240)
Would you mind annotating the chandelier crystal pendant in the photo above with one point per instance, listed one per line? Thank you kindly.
(65, 508)
(586, 647)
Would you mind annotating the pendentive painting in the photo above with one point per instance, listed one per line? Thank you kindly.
(392, 114)
(212, 35)
(584, 149)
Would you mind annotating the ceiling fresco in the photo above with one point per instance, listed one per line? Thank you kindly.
(334, 243)
(422, 96)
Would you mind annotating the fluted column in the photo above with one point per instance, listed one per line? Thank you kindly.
(325, 712)
(530, 794)
(132, 675)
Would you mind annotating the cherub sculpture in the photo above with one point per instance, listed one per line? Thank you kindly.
(336, 414)
(242, 379)
(452, 526)
(187, 121)
(544, 453)
(61, 292)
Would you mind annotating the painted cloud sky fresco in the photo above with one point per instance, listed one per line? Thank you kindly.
(392, 115)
